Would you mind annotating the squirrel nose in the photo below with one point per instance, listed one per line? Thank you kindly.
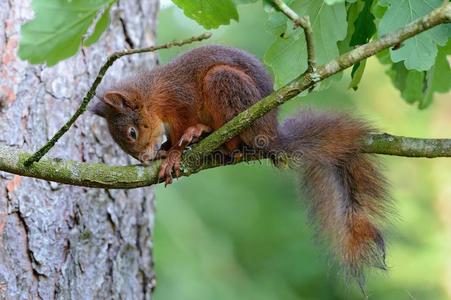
(148, 155)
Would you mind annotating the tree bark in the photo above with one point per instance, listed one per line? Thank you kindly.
(59, 241)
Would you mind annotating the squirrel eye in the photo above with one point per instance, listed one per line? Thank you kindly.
(132, 133)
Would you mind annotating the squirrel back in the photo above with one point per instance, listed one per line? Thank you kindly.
(197, 62)
(186, 73)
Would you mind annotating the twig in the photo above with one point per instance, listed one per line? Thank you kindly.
(125, 177)
(92, 90)
(304, 23)
(245, 119)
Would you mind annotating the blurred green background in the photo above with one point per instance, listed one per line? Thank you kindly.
(241, 233)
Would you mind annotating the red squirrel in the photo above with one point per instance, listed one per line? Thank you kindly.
(201, 90)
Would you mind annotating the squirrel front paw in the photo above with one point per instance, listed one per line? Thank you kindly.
(170, 165)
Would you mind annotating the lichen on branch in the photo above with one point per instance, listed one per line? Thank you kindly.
(133, 176)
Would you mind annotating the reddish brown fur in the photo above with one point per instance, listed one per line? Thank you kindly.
(346, 192)
(210, 85)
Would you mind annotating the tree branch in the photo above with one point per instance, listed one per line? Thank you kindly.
(125, 177)
(92, 90)
(104, 176)
(246, 118)
(304, 23)
(407, 146)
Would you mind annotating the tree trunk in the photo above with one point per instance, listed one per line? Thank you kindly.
(58, 241)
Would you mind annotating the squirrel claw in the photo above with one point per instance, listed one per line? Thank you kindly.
(170, 165)
(167, 181)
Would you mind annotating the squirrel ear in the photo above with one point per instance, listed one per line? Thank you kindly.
(100, 108)
(116, 99)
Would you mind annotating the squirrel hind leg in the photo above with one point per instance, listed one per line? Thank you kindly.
(228, 91)
(193, 134)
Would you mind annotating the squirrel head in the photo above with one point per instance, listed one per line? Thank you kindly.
(137, 130)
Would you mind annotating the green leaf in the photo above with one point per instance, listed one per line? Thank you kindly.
(413, 90)
(361, 29)
(57, 30)
(357, 74)
(408, 82)
(209, 13)
(379, 9)
(100, 27)
(420, 51)
(420, 86)
(276, 24)
(238, 2)
(364, 26)
(384, 57)
(352, 12)
(438, 78)
(287, 56)
(332, 2)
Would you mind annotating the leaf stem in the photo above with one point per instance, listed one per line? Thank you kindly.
(304, 23)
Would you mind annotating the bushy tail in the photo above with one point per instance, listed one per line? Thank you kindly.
(345, 190)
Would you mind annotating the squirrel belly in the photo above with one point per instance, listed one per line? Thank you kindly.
(206, 87)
